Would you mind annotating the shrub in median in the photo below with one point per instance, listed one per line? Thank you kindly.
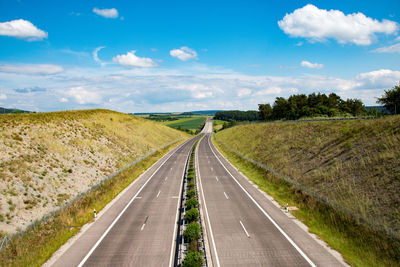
(192, 232)
(190, 193)
(192, 214)
(193, 259)
(191, 186)
(191, 203)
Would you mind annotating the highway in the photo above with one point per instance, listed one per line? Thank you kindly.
(243, 227)
(140, 227)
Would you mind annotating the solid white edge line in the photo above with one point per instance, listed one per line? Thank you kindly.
(206, 211)
(141, 229)
(226, 195)
(123, 211)
(263, 211)
(177, 214)
(245, 229)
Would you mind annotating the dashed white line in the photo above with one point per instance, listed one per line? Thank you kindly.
(216, 178)
(226, 195)
(166, 178)
(206, 211)
(212, 168)
(264, 212)
(244, 229)
(141, 229)
(123, 211)
(158, 193)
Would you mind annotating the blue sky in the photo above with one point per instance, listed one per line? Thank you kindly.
(146, 56)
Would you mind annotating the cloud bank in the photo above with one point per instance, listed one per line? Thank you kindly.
(37, 69)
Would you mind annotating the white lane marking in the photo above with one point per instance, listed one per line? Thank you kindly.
(206, 211)
(171, 168)
(226, 195)
(123, 211)
(144, 224)
(212, 168)
(216, 178)
(158, 193)
(264, 212)
(166, 178)
(176, 217)
(245, 229)
(175, 197)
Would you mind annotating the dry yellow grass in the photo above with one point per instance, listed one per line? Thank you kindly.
(48, 158)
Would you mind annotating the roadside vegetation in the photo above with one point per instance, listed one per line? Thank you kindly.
(353, 165)
(36, 245)
(51, 159)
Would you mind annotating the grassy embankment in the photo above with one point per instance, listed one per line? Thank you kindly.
(354, 163)
(49, 153)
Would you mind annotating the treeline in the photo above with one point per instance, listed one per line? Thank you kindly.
(313, 105)
(237, 115)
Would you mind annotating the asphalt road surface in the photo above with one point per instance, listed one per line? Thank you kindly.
(140, 228)
(243, 227)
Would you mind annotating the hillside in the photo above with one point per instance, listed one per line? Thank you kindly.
(353, 163)
(48, 158)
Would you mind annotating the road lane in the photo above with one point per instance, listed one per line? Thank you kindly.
(242, 233)
(144, 234)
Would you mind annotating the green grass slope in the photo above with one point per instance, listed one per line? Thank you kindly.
(355, 164)
(49, 158)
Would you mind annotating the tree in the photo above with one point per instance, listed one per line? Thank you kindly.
(265, 111)
(391, 100)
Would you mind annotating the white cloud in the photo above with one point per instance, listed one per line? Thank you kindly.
(107, 13)
(389, 49)
(244, 92)
(38, 69)
(83, 96)
(310, 65)
(131, 60)
(320, 24)
(379, 79)
(96, 57)
(3, 96)
(63, 100)
(184, 53)
(21, 28)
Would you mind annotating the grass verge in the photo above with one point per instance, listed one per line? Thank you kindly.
(35, 246)
(358, 245)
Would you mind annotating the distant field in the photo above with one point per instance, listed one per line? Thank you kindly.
(217, 125)
(193, 123)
